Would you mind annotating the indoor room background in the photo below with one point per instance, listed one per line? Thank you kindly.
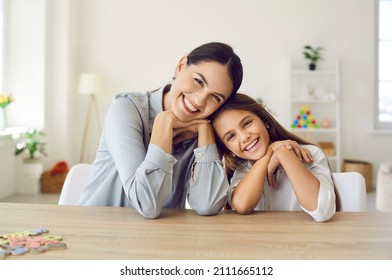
(136, 44)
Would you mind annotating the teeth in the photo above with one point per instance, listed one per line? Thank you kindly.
(251, 145)
(189, 105)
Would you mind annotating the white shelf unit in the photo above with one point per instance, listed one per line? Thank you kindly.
(316, 94)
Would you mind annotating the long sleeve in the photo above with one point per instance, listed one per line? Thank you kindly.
(146, 176)
(326, 207)
(128, 171)
(208, 191)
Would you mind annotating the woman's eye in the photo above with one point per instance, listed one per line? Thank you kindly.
(200, 82)
(218, 98)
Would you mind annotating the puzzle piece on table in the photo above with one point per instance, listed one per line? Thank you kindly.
(33, 241)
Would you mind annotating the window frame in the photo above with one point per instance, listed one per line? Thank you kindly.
(3, 6)
(379, 125)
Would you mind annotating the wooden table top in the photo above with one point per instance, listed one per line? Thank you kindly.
(112, 233)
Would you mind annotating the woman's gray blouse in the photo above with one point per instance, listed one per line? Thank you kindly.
(129, 171)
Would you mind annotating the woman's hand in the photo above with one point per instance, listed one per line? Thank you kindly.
(201, 127)
(168, 130)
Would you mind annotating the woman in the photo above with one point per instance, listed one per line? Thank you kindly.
(267, 172)
(157, 149)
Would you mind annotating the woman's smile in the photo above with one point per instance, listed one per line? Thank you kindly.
(188, 105)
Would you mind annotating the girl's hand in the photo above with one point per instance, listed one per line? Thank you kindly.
(302, 153)
(273, 165)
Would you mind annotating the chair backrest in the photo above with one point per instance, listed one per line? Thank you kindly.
(352, 190)
(77, 177)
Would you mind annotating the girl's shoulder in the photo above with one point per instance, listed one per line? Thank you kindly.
(311, 147)
(316, 151)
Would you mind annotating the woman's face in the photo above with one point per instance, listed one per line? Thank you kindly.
(243, 133)
(198, 90)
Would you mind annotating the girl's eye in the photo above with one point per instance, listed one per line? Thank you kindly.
(229, 137)
(247, 123)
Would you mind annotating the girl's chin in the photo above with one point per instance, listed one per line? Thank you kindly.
(256, 156)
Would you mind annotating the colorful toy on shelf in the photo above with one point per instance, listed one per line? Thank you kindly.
(305, 119)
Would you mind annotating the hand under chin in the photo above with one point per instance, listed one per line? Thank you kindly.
(183, 137)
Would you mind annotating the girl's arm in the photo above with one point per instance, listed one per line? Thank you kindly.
(250, 189)
(305, 185)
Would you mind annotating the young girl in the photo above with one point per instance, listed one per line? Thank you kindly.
(266, 172)
(157, 148)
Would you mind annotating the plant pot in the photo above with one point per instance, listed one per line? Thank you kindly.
(312, 66)
(32, 171)
(3, 119)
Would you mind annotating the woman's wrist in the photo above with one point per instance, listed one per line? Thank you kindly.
(205, 134)
(162, 131)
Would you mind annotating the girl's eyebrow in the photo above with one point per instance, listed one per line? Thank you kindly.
(205, 81)
(244, 119)
(241, 122)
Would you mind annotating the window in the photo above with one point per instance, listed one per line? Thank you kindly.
(384, 109)
(1, 45)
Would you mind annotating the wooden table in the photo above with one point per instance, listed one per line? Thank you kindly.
(104, 233)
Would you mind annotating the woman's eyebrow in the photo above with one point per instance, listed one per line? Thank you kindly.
(205, 81)
(202, 78)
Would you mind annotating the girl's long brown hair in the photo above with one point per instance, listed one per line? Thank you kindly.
(276, 132)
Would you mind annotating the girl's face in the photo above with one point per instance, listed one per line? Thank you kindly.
(243, 133)
(198, 90)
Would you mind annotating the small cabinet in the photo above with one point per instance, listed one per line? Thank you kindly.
(315, 107)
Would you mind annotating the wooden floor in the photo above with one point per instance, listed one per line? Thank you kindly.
(46, 198)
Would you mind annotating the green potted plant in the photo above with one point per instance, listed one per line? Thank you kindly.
(32, 144)
(313, 55)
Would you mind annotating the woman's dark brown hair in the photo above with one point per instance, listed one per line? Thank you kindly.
(276, 131)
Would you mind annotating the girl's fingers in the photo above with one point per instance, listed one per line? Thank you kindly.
(307, 155)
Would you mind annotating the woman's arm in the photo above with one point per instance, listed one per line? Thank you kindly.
(208, 183)
(145, 170)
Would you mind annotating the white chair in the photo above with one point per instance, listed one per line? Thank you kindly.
(77, 177)
(384, 187)
(352, 190)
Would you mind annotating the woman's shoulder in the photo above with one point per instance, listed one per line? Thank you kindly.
(131, 95)
(139, 96)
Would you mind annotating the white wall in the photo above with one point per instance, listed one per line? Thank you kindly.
(136, 44)
(25, 62)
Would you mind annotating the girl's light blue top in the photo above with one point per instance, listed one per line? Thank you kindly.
(129, 171)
